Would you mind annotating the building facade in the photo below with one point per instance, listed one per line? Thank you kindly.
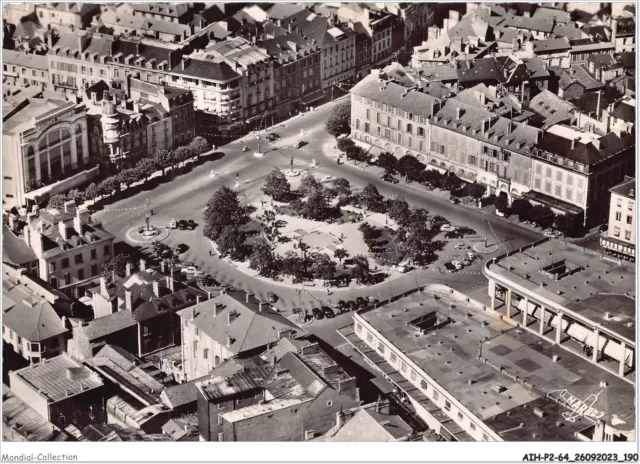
(620, 237)
(24, 70)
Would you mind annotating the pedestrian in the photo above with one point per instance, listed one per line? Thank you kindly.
(328, 292)
(210, 253)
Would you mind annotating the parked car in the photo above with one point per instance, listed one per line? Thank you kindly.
(389, 178)
(182, 224)
(328, 312)
(453, 234)
(173, 224)
(342, 306)
(499, 213)
(470, 255)
(181, 248)
(552, 233)
(450, 267)
(272, 137)
(187, 264)
(190, 270)
(403, 269)
(465, 262)
(353, 306)
(461, 246)
(327, 178)
(454, 200)
(361, 302)
(191, 224)
(447, 228)
(300, 143)
(457, 264)
(317, 313)
(272, 297)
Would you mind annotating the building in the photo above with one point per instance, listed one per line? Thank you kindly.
(70, 246)
(554, 52)
(621, 115)
(177, 13)
(623, 32)
(604, 68)
(20, 69)
(295, 399)
(465, 374)
(75, 15)
(61, 390)
(416, 17)
(227, 326)
(392, 117)
(573, 171)
(46, 146)
(576, 82)
(117, 21)
(15, 251)
(35, 321)
(620, 237)
(118, 329)
(552, 288)
(22, 423)
(14, 12)
(153, 300)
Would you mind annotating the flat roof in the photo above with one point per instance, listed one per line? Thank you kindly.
(517, 363)
(60, 377)
(590, 274)
(34, 108)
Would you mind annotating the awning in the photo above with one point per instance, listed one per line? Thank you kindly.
(619, 246)
(314, 97)
(260, 116)
(552, 202)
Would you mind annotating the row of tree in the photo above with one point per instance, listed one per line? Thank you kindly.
(163, 159)
(540, 215)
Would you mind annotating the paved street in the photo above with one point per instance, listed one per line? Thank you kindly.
(186, 196)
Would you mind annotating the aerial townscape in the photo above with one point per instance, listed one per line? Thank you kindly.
(326, 222)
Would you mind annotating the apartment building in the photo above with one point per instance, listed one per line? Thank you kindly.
(76, 15)
(177, 13)
(45, 143)
(24, 70)
(392, 117)
(573, 170)
(70, 246)
(620, 237)
(225, 326)
(113, 19)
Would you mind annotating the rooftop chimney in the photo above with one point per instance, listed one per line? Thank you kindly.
(128, 270)
(215, 309)
(103, 287)
(170, 282)
(143, 265)
(62, 228)
(156, 288)
(70, 207)
(128, 297)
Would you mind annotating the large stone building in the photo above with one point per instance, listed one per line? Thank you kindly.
(22, 70)
(45, 142)
(620, 236)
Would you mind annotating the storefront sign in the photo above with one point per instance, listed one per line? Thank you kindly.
(54, 119)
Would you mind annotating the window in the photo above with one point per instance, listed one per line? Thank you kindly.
(393, 357)
(619, 200)
(367, 128)
(460, 416)
(403, 366)
(618, 216)
(485, 437)
(413, 374)
(447, 405)
(107, 250)
(472, 426)
(81, 274)
(368, 114)
(616, 231)
(205, 353)
(630, 206)
(52, 267)
(472, 160)
(197, 332)
(65, 263)
(369, 336)
(78, 259)
(94, 270)
(221, 405)
(358, 327)
(409, 128)
(219, 419)
(627, 235)
(424, 385)
(399, 139)
(436, 395)
(67, 279)
(381, 347)
(357, 124)
(629, 219)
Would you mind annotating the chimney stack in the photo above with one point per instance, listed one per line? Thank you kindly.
(128, 297)
(156, 288)
(192, 314)
(62, 228)
(103, 287)
(215, 309)
(128, 270)
(228, 341)
(143, 265)
(162, 266)
(70, 207)
(170, 282)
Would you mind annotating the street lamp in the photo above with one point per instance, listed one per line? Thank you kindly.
(292, 164)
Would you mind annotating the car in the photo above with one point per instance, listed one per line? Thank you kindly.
(454, 234)
(403, 269)
(191, 224)
(465, 262)
(499, 213)
(454, 200)
(166, 253)
(328, 312)
(552, 233)
(461, 246)
(447, 228)
(181, 248)
(272, 297)
(457, 264)
(389, 178)
(173, 224)
(272, 137)
(300, 143)
(187, 264)
(353, 306)
(450, 267)
(317, 313)
(471, 256)
(189, 270)
(182, 224)
(361, 302)
(327, 178)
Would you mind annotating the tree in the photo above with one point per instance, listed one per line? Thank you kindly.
(521, 207)
(182, 154)
(277, 186)
(398, 210)
(146, 167)
(316, 207)
(231, 242)
(417, 244)
(568, 225)
(388, 162)
(91, 192)
(163, 158)
(340, 254)
(199, 145)
(57, 201)
(474, 190)
(108, 185)
(297, 205)
(541, 215)
(128, 176)
(294, 266)
(323, 267)
(264, 260)
(420, 216)
(502, 203)
(430, 177)
(117, 265)
(309, 184)
(339, 121)
(361, 270)
(345, 144)
(223, 210)
(410, 167)
(371, 199)
(342, 187)
(77, 196)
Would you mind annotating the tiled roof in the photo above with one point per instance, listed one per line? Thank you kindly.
(111, 18)
(220, 387)
(182, 394)
(245, 324)
(552, 14)
(578, 73)
(533, 24)
(59, 377)
(604, 61)
(206, 69)
(14, 249)
(438, 73)
(17, 415)
(174, 10)
(396, 95)
(626, 187)
(27, 60)
(106, 325)
(551, 107)
(284, 10)
(469, 27)
(625, 111)
(570, 32)
(551, 45)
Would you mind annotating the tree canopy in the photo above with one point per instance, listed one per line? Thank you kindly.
(223, 210)
(277, 186)
(339, 121)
